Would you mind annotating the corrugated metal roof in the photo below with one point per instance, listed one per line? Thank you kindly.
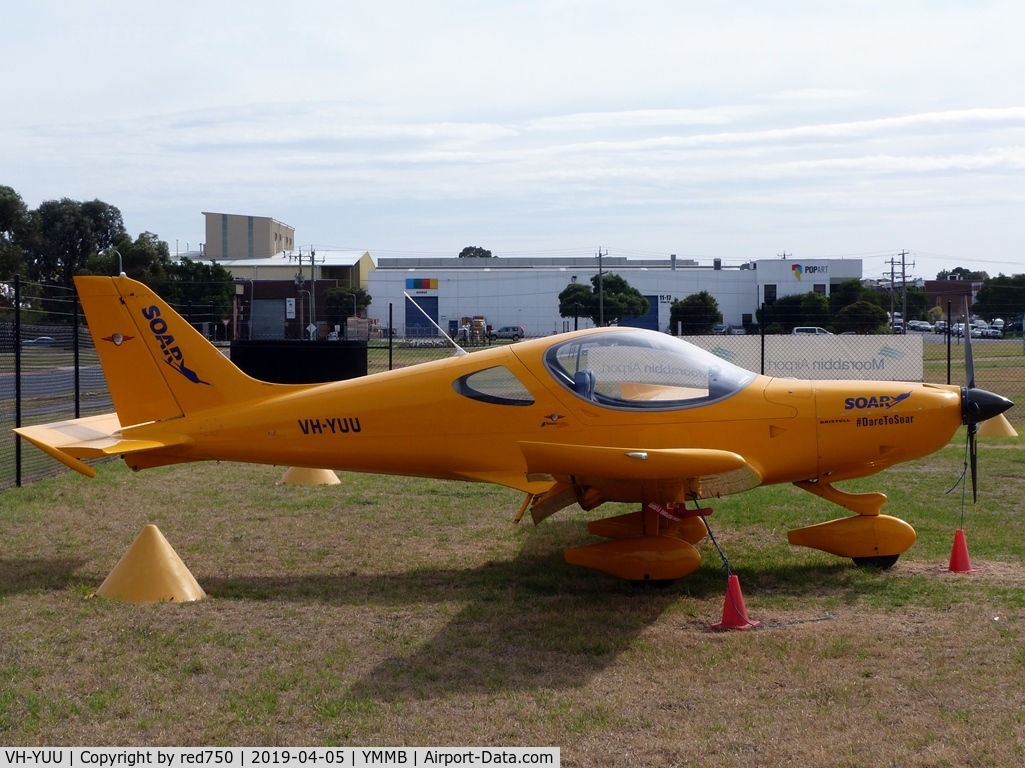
(323, 259)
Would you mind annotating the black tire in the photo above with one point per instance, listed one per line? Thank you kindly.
(652, 583)
(882, 562)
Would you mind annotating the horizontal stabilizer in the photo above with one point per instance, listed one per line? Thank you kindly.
(92, 437)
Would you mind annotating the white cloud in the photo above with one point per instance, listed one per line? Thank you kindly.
(654, 124)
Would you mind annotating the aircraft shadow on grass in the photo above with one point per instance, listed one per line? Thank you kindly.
(532, 621)
(527, 622)
(19, 575)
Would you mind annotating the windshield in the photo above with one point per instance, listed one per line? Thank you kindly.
(639, 369)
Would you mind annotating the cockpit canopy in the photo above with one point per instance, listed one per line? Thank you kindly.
(643, 370)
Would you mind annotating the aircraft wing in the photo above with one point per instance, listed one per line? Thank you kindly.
(91, 437)
(601, 473)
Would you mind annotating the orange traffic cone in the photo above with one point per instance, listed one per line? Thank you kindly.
(734, 613)
(959, 560)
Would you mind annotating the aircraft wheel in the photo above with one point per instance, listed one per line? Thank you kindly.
(652, 583)
(882, 562)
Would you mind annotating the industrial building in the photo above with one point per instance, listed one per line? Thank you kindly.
(280, 288)
(525, 291)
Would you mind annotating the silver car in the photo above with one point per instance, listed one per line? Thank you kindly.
(513, 332)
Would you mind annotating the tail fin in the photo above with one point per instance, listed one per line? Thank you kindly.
(157, 366)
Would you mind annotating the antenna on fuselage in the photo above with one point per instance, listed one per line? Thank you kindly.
(459, 350)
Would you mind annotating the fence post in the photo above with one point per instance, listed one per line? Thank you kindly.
(74, 347)
(391, 335)
(761, 328)
(950, 330)
(17, 378)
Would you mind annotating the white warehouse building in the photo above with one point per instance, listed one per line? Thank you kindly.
(525, 291)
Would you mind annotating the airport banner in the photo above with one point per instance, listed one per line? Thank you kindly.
(877, 358)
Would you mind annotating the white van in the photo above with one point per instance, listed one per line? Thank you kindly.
(811, 330)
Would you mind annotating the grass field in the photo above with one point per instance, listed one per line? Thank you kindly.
(392, 611)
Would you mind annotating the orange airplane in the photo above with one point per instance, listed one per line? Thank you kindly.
(607, 414)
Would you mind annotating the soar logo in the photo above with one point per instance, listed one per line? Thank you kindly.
(882, 401)
(172, 353)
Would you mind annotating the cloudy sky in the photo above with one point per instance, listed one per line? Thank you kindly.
(711, 130)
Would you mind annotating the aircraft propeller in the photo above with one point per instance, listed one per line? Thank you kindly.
(977, 405)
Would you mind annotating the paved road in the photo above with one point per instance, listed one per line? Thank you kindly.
(52, 383)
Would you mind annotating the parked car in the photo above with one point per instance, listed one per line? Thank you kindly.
(919, 325)
(941, 326)
(985, 333)
(810, 330)
(513, 332)
(40, 341)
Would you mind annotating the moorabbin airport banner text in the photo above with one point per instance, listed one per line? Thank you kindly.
(276, 757)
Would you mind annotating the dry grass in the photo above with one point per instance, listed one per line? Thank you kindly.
(389, 611)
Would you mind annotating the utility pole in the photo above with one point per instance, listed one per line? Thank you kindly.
(904, 288)
(893, 278)
(300, 280)
(601, 289)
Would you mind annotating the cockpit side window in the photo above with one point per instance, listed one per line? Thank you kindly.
(642, 370)
(497, 386)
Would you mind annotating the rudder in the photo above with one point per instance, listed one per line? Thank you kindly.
(157, 366)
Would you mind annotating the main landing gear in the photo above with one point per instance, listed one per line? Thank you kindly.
(654, 546)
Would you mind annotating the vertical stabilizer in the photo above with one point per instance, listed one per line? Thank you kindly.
(157, 366)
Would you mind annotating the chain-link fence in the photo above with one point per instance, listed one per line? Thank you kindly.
(49, 370)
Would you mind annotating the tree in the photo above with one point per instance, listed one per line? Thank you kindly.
(340, 303)
(14, 220)
(618, 299)
(577, 300)
(611, 298)
(785, 313)
(195, 286)
(961, 273)
(861, 317)
(850, 291)
(146, 260)
(1001, 296)
(475, 252)
(65, 233)
(917, 303)
(815, 310)
(694, 315)
(805, 309)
